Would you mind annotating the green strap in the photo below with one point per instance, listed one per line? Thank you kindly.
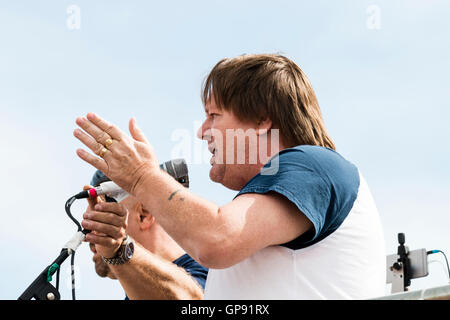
(51, 271)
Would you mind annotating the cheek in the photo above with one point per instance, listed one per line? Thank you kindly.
(131, 226)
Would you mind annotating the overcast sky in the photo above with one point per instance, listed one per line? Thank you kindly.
(379, 68)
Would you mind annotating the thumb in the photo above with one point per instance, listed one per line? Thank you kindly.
(136, 132)
(92, 201)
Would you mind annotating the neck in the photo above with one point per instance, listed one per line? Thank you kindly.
(274, 145)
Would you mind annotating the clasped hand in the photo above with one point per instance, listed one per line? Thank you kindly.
(107, 222)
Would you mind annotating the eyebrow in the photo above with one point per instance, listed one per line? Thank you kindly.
(208, 110)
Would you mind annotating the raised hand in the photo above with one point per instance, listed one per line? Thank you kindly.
(125, 160)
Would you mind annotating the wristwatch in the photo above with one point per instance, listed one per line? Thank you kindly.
(124, 253)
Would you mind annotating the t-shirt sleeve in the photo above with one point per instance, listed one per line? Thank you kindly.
(308, 178)
(196, 270)
(300, 184)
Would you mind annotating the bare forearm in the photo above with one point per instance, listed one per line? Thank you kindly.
(190, 220)
(149, 277)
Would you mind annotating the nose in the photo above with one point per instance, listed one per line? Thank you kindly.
(203, 131)
(200, 132)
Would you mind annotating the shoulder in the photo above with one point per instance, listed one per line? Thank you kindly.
(316, 158)
(303, 166)
(320, 182)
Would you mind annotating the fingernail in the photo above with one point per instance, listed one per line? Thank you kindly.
(80, 120)
(98, 207)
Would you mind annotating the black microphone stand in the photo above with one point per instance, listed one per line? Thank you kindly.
(41, 288)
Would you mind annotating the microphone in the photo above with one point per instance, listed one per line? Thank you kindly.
(177, 168)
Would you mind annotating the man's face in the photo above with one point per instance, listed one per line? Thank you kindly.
(101, 267)
(218, 130)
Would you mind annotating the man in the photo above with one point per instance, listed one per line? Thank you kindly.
(149, 273)
(303, 225)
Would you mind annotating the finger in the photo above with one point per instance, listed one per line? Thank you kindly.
(107, 229)
(105, 126)
(89, 142)
(102, 240)
(96, 162)
(93, 232)
(136, 132)
(92, 247)
(112, 207)
(92, 201)
(105, 217)
(94, 131)
(99, 233)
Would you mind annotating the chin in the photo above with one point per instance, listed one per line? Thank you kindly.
(218, 174)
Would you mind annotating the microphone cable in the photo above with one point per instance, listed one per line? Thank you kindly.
(440, 251)
(81, 195)
(67, 206)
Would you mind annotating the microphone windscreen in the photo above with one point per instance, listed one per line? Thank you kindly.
(178, 169)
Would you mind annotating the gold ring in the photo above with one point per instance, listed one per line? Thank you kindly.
(102, 152)
(108, 142)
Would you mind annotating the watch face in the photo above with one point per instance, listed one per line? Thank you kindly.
(129, 250)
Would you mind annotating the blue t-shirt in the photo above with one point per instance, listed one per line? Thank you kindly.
(319, 181)
(196, 270)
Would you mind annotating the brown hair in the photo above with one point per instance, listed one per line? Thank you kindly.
(261, 86)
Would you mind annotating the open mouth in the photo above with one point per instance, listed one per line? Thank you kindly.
(213, 150)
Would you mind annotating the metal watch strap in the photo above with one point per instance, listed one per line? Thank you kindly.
(118, 258)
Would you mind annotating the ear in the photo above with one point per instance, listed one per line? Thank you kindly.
(146, 219)
(263, 126)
